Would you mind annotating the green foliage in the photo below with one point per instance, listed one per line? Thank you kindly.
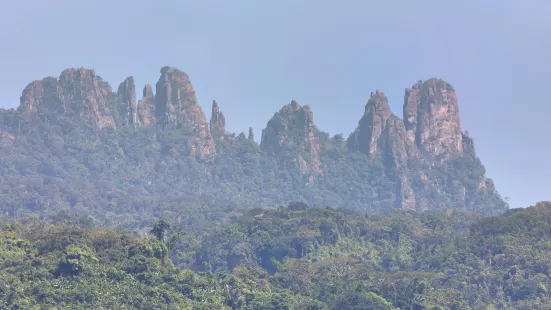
(294, 257)
(159, 230)
(129, 178)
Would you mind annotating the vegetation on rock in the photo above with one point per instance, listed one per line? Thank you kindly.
(74, 145)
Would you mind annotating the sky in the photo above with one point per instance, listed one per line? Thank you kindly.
(254, 56)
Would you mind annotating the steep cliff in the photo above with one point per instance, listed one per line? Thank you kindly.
(176, 107)
(217, 121)
(382, 136)
(431, 116)
(77, 92)
(292, 131)
(128, 109)
(146, 107)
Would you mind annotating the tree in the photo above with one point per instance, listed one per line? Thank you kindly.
(159, 230)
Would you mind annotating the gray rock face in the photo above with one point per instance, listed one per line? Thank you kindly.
(382, 136)
(128, 108)
(293, 126)
(176, 107)
(367, 136)
(431, 116)
(146, 107)
(77, 92)
(217, 121)
(421, 153)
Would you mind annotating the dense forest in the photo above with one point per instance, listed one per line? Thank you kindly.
(293, 257)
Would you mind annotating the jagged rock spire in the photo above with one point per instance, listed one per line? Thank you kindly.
(146, 107)
(217, 120)
(176, 107)
(382, 136)
(431, 116)
(128, 108)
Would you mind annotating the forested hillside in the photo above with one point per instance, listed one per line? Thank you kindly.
(77, 147)
(294, 257)
(109, 202)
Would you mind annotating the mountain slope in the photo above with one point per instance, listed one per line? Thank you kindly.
(74, 144)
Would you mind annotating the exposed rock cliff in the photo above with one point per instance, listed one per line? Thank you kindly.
(293, 128)
(177, 108)
(128, 109)
(217, 121)
(380, 132)
(431, 115)
(382, 136)
(146, 107)
(77, 92)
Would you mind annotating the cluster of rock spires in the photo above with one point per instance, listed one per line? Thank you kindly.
(82, 93)
(429, 132)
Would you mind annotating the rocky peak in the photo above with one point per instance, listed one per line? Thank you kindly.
(217, 120)
(176, 107)
(77, 92)
(146, 107)
(382, 136)
(174, 97)
(371, 126)
(431, 116)
(378, 104)
(128, 108)
(39, 94)
(293, 128)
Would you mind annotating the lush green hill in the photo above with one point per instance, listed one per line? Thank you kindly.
(294, 257)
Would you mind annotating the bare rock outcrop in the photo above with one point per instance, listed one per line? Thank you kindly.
(128, 108)
(176, 107)
(431, 116)
(146, 107)
(382, 136)
(77, 92)
(293, 128)
(217, 121)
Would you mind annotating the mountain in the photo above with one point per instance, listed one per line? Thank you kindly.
(75, 145)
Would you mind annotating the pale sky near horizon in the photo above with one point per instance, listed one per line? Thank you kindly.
(254, 56)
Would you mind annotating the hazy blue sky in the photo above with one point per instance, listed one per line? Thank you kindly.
(255, 56)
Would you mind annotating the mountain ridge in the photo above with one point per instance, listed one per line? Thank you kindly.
(420, 162)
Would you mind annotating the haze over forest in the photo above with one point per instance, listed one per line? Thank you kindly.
(250, 155)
